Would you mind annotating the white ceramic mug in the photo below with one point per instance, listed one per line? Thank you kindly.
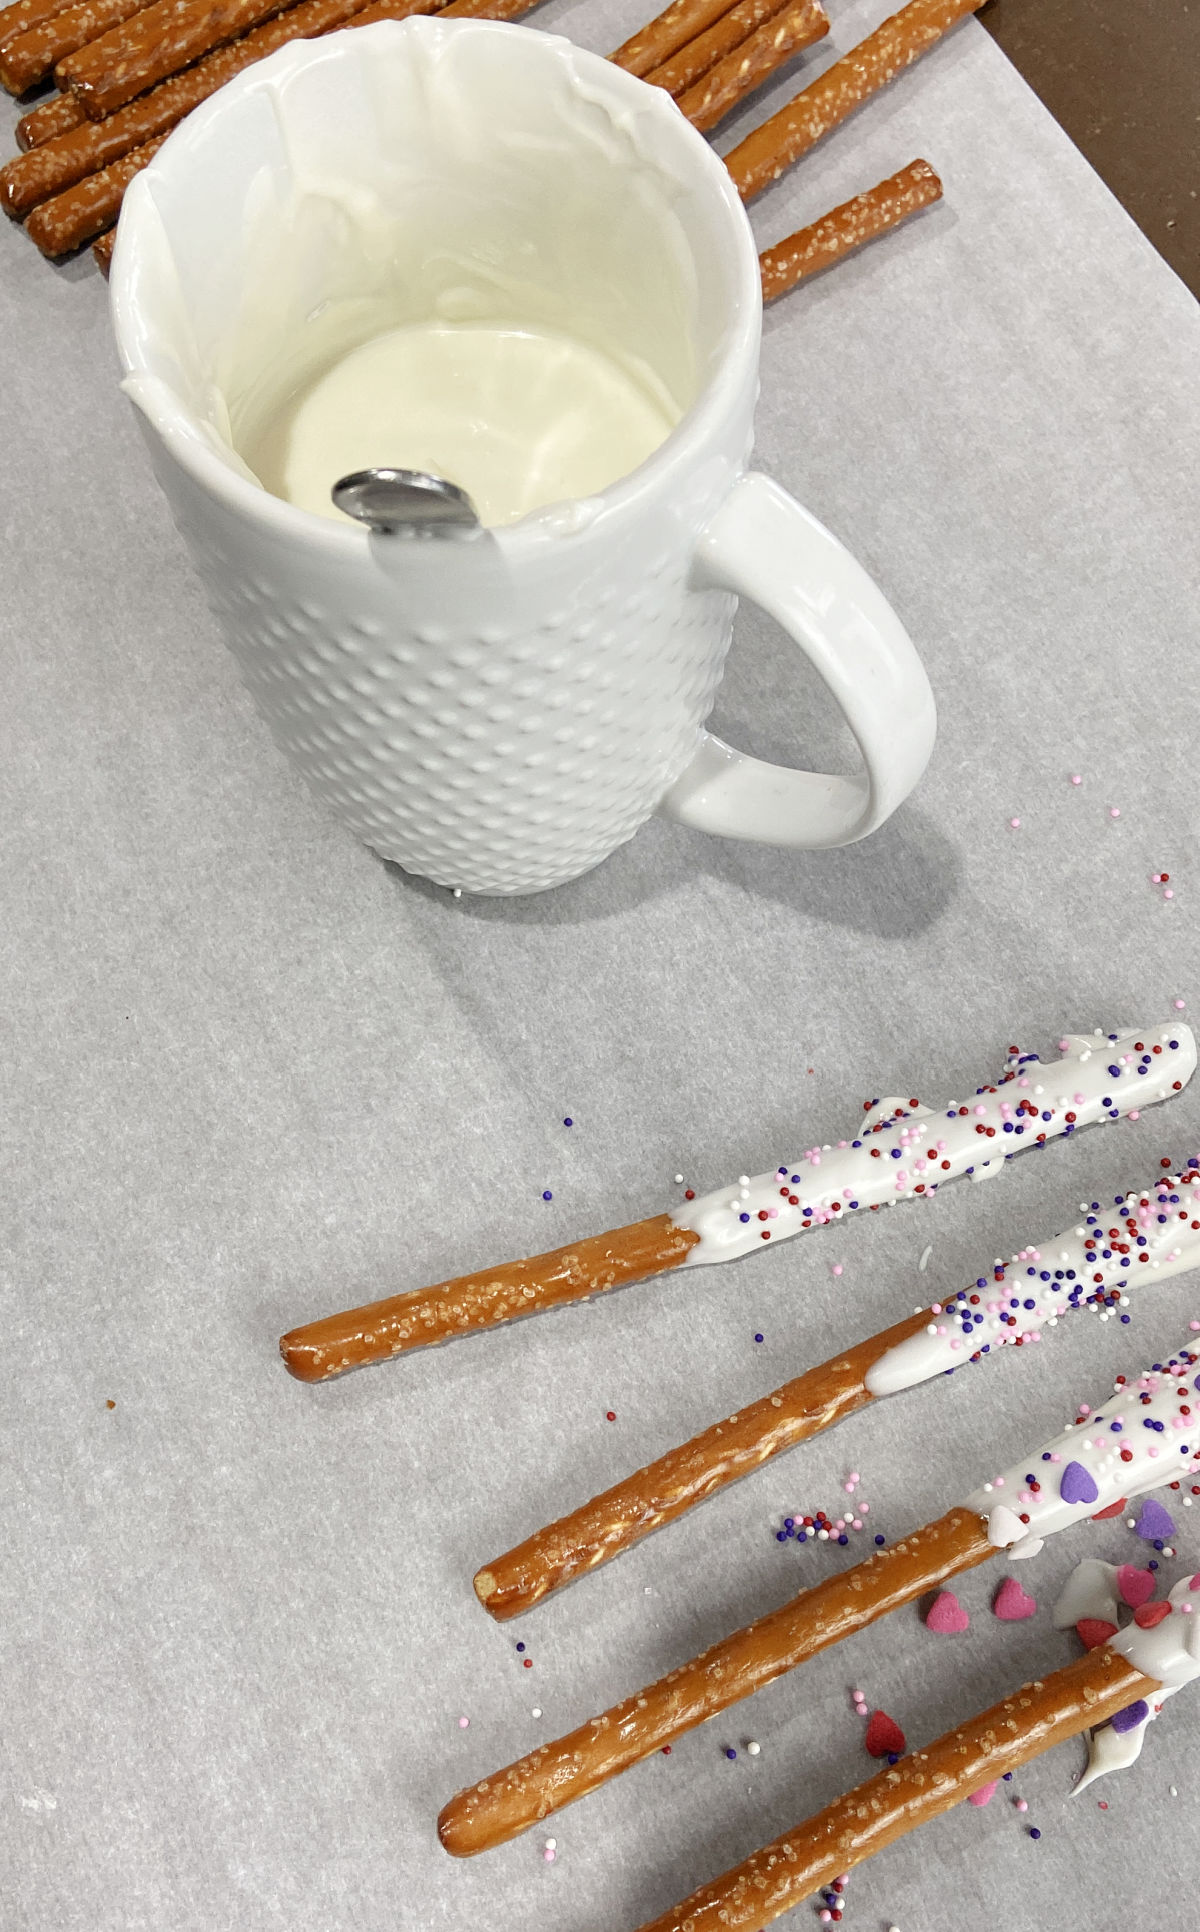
(496, 715)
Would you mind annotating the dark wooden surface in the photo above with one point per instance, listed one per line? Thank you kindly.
(1123, 78)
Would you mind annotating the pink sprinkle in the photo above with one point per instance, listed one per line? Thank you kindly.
(1192, 1325)
(549, 1854)
(1015, 823)
(1114, 811)
(1134, 1113)
(837, 1267)
(857, 1696)
(849, 1488)
(1076, 778)
(856, 1522)
(1168, 894)
(1179, 1005)
(825, 1915)
(1085, 1408)
(463, 1722)
(1021, 1804)
(854, 1476)
(865, 1508)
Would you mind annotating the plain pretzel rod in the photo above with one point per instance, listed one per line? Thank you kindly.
(24, 14)
(847, 228)
(780, 141)
(72, 198)
(29, 57)
(1088, 1468)
(702, 54)
(1043, 1713)
(902, 1151)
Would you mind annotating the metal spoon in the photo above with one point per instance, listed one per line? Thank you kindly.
(407, 503)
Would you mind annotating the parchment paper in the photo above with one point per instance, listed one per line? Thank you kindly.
(250, 1075)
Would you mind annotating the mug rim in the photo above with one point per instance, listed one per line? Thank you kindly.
(176, 427)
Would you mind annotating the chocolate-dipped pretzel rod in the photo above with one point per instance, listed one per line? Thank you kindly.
(847, 228)
(1089, 1265)
(772, 148)
(902, 1151)
(1108, 1454)
(920, 1786)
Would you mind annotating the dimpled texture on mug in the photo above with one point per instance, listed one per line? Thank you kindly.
(492, 760)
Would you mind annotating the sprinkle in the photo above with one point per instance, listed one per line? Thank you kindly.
(610, 1415)
(1015, 823)
(1034, 1832)
(730, 1752)
(546, 1194)
(567, 1121)
(537, 1710)
(1154, 1522)
(1022, 1804)
(946, 1615)
(1114, 811)
(837, 1268)
(551, 1844)
(1011, 1603)
(758, 1338)
(549, 1854)
(1076, 778)
(463, 1722)
(753, 1748)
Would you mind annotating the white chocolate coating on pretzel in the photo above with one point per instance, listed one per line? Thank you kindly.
(1168, 1652)
(904, 1150)
(1143, 1237)
(1144, 1434)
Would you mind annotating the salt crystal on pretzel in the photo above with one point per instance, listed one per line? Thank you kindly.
(748, 66)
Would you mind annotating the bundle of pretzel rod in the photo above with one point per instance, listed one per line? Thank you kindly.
(1126, 1680)
(1141, 1435)
(128, 88)
(901, 1151)
(1093, 1264)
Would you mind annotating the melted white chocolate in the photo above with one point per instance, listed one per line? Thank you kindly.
(519, 418)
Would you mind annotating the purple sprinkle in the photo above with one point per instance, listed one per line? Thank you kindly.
(1077, 1484)
(1131, 1716)
(568, 1122)
(546, 1194)
(1154, 1522)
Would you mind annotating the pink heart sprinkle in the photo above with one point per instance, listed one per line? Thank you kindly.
(984, 1794)
(1134, 1586)
(946, 1614)
(1011, 1602)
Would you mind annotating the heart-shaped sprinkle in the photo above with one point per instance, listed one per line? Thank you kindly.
(1114, 1509)
(1148, 1614)
(946, 1615)
(1011, 1602)
(1154, 1521)
(884, 1736)
(1094, 1630)
(1077, 1485)
(1134, 1586)
(1131, 1716)
(984, 1794)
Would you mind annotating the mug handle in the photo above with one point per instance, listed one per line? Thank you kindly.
(764, 545)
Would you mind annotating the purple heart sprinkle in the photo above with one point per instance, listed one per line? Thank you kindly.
(1077, 1485)
(1131, 1716)
(1154, 1521)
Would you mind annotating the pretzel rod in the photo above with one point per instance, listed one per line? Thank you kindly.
(54, 116)
(695, 60)
(69, 220)
(1078, 1473)
(847, 228)
(764, 155)
(897, 1155)
(102, 251)
(666, 34)
(908, 1793)
(963, 1327)
(735, 77)
(58, 163)
(30, 56)
(154, 44)
(24, 14)
(508, 1802)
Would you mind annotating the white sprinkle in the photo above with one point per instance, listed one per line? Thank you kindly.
(679, 1180)
(923, 1263)
(551, 1844)
(458, 892)
(1173, 1791)
(753, 1748)
(537, 1710)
